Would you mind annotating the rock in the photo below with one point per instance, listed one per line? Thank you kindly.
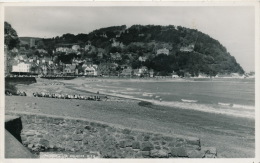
(167, 138)
(30, 146)
(159, 154)
(29, 133)
(157, 147)
(122, 144)
(179, 152)
(195, 154)
(129, 137)
(44, 143)
(146, 137)
(136, 145)
(210, 155)
(145, 154)
(193, 141)
(209, 150)
(77, 137)
(126, 131)
(147, 146)
(128, 143)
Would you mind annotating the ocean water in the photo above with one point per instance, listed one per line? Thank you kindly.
(234, 97)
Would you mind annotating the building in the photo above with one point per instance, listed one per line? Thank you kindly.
(143, 71)
(22, 67)
(90, 69)
(62, 49)
(189, 48)
(142, 59)
(127, 72)
(70, 69)
(163, 51)
(75, 47)
(115, 56)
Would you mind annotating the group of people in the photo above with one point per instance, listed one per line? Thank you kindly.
(66, 96)
(18, 93)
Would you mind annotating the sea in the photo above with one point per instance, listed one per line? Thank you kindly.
(232, 97)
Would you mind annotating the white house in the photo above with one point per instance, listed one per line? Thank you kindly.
(75, 47)
(163, 51)
(21, 67)
(189, 48)
(90, 69)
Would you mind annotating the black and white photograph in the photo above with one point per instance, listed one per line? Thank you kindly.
(150, 81)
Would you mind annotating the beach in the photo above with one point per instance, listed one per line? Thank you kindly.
(233, 136)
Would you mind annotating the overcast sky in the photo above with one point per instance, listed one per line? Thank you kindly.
(233, 27)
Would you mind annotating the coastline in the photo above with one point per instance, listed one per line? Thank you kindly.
(226, 133)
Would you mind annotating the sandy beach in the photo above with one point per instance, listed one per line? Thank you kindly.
(232, 136)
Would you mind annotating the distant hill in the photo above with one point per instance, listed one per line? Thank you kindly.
(188, 51)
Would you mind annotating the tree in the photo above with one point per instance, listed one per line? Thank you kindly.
(11, 37)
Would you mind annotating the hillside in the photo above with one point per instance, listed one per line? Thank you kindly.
(188, 51)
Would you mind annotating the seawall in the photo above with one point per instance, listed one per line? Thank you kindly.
(45, 133)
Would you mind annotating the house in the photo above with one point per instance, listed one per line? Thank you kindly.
(143, 71)
(117, 44)
(21, 67)
(115, 56)
(151, 73)
(175, 75)
(142, 59)
(90, 69)
(127, 72)
(70, 69)
(189, 48)
(162, 51)
(75, 47)
(42, 51)
(62, 49)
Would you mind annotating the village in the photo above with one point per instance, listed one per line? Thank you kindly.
(30, 59)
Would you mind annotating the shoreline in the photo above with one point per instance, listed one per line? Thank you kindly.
(226, 133)
(172, 104)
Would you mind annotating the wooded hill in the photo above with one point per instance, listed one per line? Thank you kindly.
(190, 51)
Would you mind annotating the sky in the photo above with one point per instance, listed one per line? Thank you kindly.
(233, 27)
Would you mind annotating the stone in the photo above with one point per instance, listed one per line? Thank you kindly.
(44, 142)
(122, 144)
(29, 133)
(126, 131)
(147, 146)
(209, 150)
(87, 127)
(159, 154)
(208, 155)
(77, 137)
(167, 138)
(157, 147)
(195, 154)
(128, 143)
(156, 138)
(30, 146)
(136, 145)
(146, 137)
(145, 154)
(179, 152)
(193, 141)
(129, 137)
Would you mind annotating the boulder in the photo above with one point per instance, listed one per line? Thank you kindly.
(147, 146)
(179, 152)
(136, 145)
(159, 154)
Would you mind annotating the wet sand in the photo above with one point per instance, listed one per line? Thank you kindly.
(232, 136)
